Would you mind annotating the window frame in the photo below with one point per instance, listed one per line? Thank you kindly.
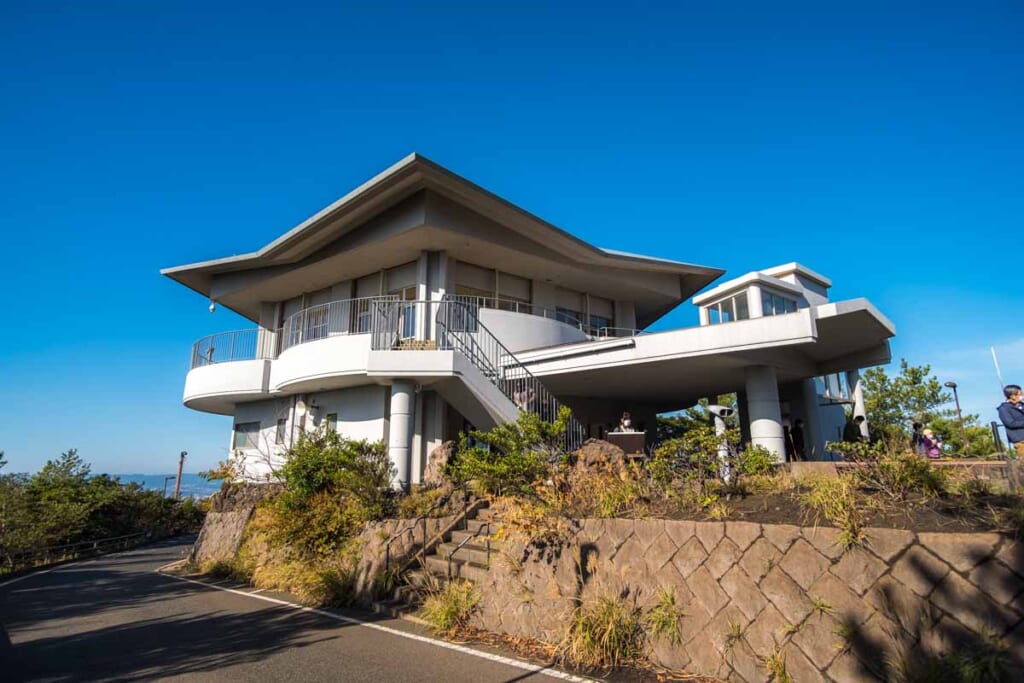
(249, 434)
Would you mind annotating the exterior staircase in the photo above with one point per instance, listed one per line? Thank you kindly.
(463, 554)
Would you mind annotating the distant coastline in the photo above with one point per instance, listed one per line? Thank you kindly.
(191, 484)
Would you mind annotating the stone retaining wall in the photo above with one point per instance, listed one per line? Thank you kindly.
(224, 525)
(834, 615)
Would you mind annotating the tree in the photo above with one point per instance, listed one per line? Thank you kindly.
(893, 404)
(696, 417)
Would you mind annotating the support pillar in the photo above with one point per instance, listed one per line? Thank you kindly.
(857, 394)
(403, 415)
(762, 389)
(814, 437)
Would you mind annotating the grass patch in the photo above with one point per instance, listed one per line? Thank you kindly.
(663, 619)
(775, 664)
(449, 608)
(836, 500)
(606, 633)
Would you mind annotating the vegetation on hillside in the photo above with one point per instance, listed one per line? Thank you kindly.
(65, 503)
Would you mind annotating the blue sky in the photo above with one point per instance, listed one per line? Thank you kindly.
(878, 143)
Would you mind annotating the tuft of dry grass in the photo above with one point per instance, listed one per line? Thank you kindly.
(606, 633)
(836, 499)
(448, 608)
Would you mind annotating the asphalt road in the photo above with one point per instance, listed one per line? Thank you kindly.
(117, 618)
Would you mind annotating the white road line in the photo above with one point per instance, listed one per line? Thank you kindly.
(533, 668)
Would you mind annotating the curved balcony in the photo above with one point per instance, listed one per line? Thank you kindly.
(227, 368)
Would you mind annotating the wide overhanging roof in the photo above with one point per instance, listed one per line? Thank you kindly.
(409, 176)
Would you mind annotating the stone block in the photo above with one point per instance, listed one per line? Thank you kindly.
(695, 619)
(680, 531)
(709, 533)
(902, 606)
(963, 601)
(997, 581)
(759, 558)
(781, 535)
(743, 534)
(705, 659)
(659, 553)
(846, 606)
(919, 570)
(618, 530)
(722, 558)
(946, 637)
(669, 656)
(825, 540)
(767, 631)
(888, 543)
(707, 591)
(1011, 553)
(689, 557)
(961, 551)
(803, 563)
(591, 530)
(786, 595)
(631, 551)
(847, 667)
(743, 592)
(799, 666)
(859, 569)
(727, 629)
(818, 639)
(878, 642)
(746, 665)
(645, 531)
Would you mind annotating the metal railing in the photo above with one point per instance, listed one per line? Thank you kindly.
(336, 318)
(225, 346)
(456, 326)
(465, 541)
(422, 520)
(42, 557)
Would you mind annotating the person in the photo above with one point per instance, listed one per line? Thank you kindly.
(796, 436)
(625, 422)
(852, 432)
(931, 444)
(523, 398)
(916, 437)
(1011, 413)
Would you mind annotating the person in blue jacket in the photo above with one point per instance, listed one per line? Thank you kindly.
(1011, 412)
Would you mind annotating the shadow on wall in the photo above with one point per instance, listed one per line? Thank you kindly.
(936, 626)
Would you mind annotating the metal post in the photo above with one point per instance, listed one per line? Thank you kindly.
(994, 426)
(960, 418)
(177, 483)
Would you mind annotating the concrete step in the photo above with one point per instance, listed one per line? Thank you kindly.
(487, 514)
(471, 552)
(473, 525)
(478, 538)
(460, 568)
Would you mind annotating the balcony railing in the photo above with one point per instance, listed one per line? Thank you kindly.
(225, 346)
(349, 316)
(356, 316)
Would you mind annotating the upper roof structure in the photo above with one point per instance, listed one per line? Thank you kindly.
(414, 174)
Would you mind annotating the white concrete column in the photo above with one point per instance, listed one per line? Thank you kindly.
(403, 415)
(857, 394)
(814, 438)
(754, 301)
(763, 410)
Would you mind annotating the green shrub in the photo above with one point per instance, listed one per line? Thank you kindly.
(754, 461)
(510, 458)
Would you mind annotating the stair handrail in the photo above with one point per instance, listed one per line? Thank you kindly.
(440, 502)
(523, 389)
(466, 540)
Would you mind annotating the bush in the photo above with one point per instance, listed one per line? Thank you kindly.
(510, 458)
(890, 471)
(754, 461)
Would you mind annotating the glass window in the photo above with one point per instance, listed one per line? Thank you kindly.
(772, 304)
(567, 315)
(597, 322)
(282, 428)
(714, 314)
(727, 313)
(742, 310)
(247, 435)
(332, 422)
